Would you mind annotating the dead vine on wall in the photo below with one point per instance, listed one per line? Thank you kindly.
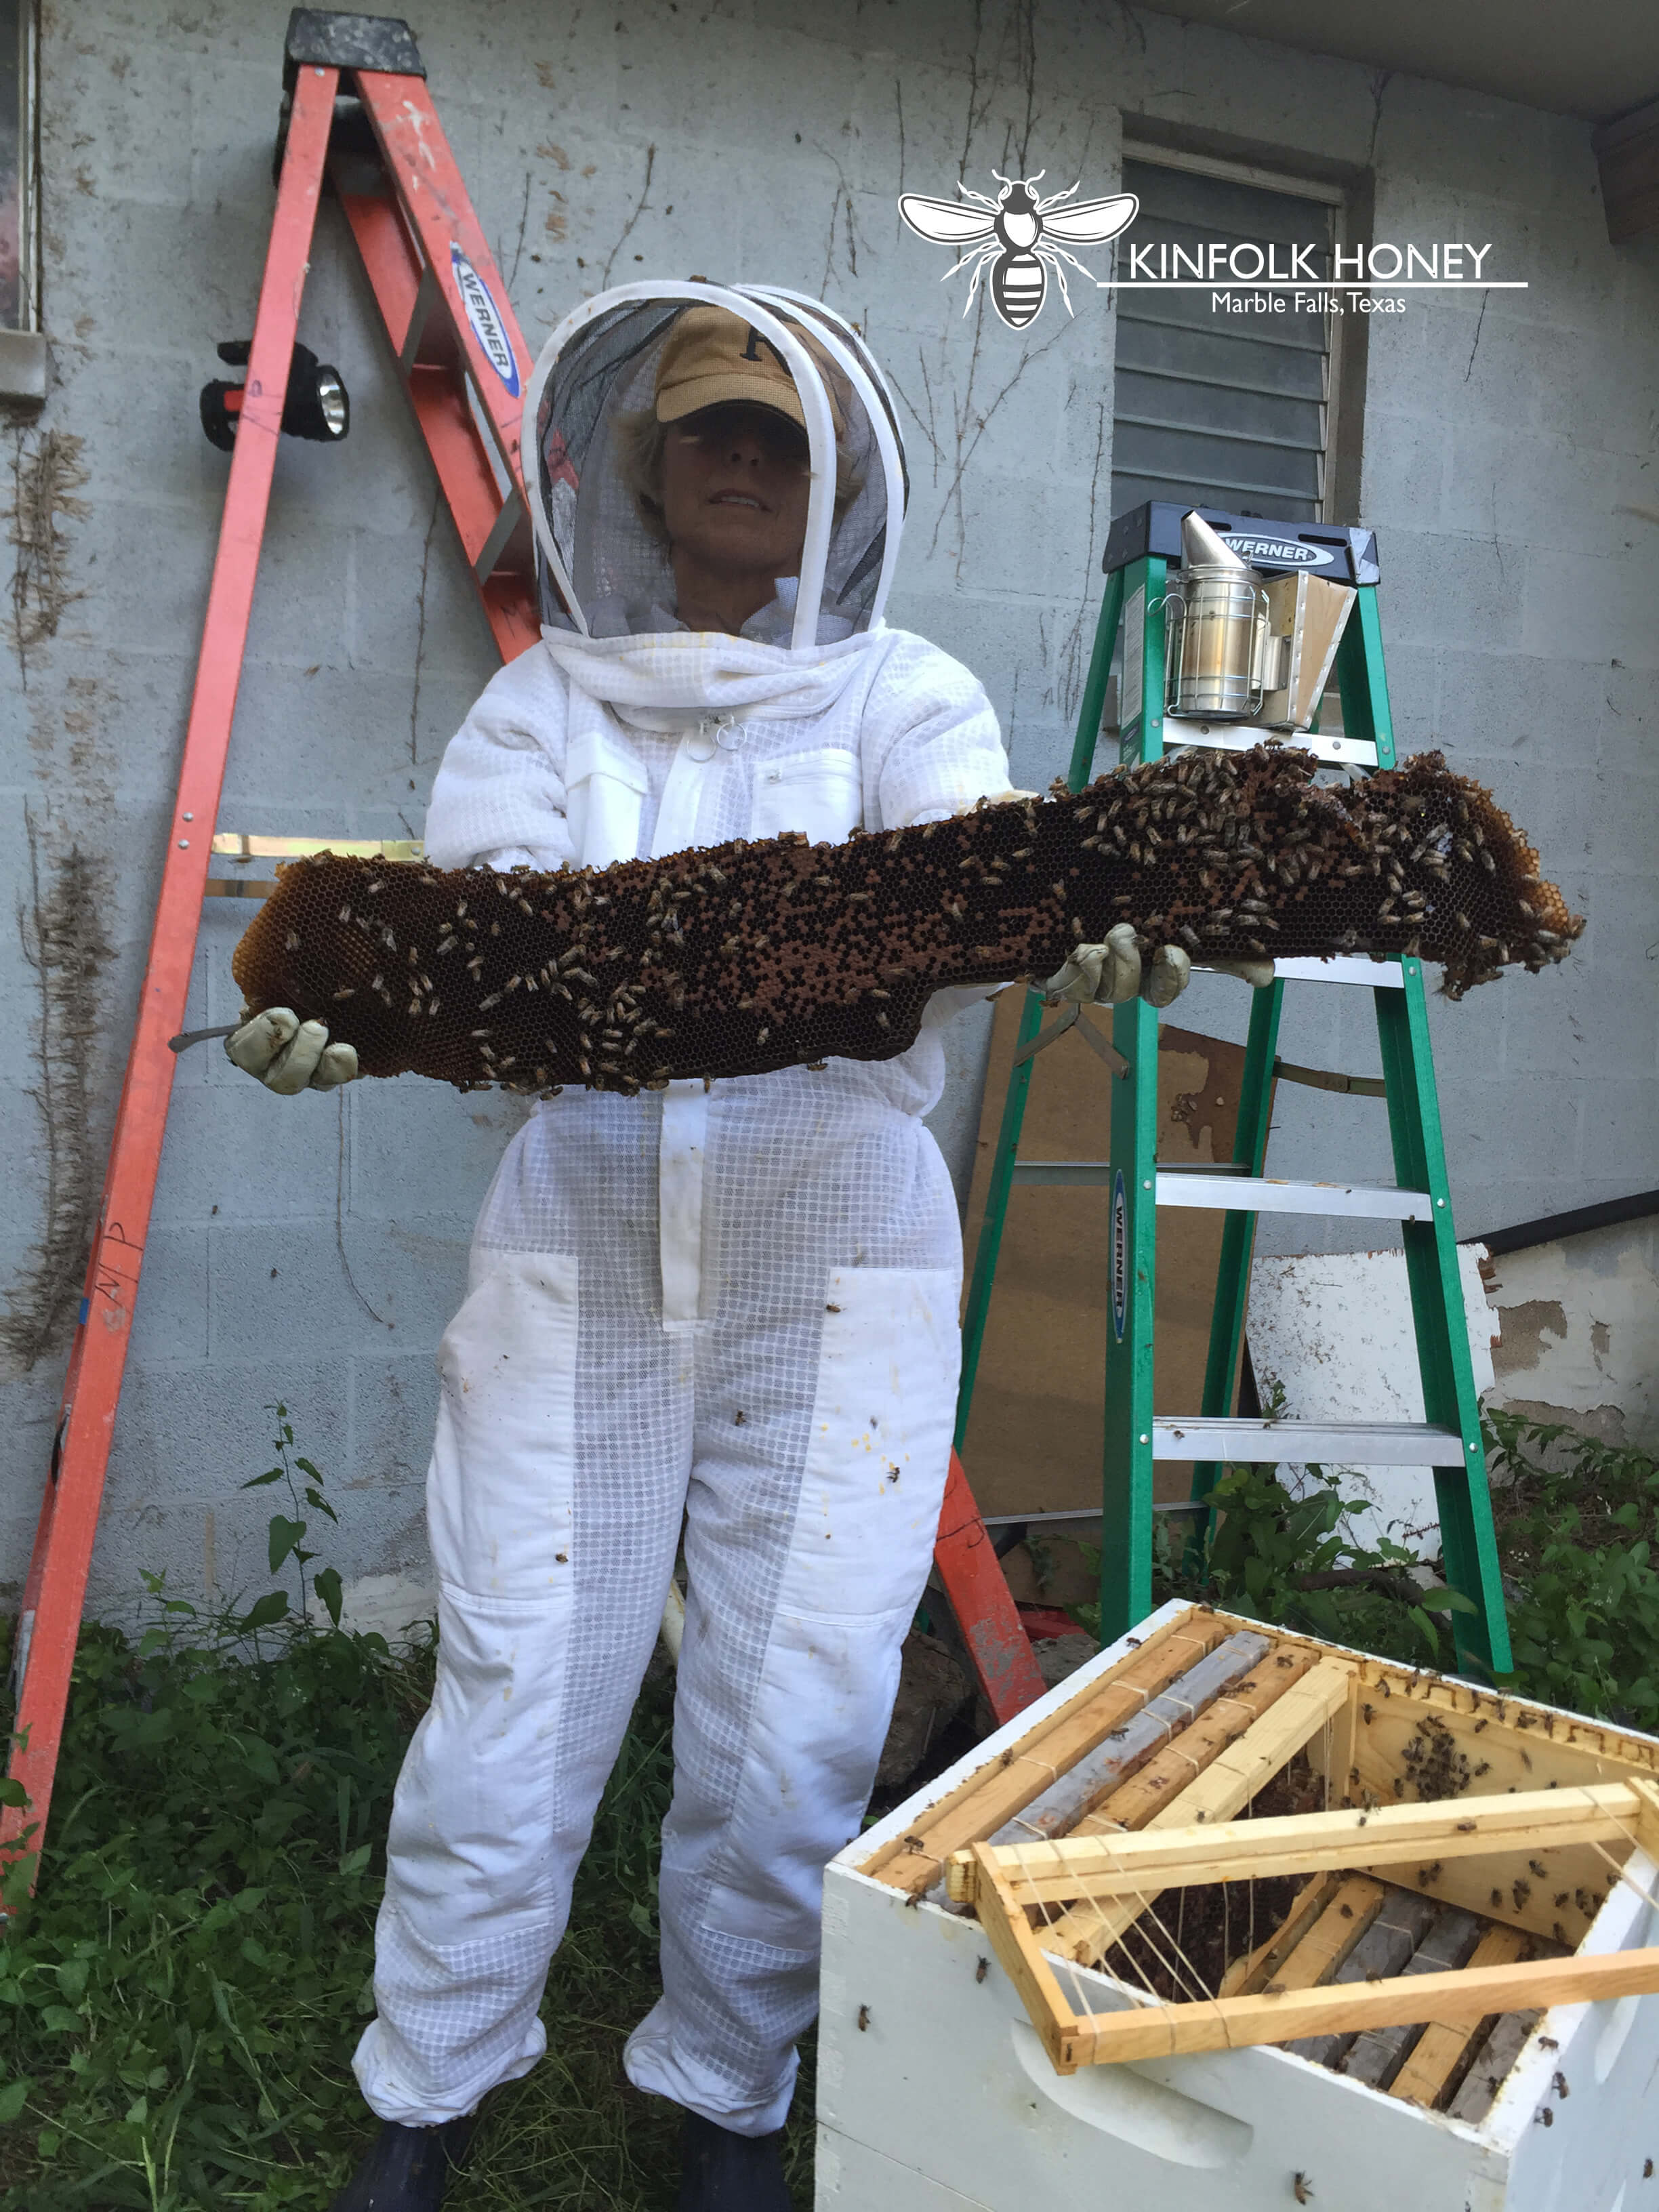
(46, 474)
(65, 948)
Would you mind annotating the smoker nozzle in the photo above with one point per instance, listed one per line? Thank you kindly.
(1203, 548)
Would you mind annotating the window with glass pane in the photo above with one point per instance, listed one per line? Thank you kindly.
(11, 166)
(1216, 408)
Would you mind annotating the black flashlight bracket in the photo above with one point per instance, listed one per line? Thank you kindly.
(315, 405)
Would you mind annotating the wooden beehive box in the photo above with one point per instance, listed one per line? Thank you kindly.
(1424, 1970)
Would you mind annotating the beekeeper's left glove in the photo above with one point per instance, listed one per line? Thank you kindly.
(288, 1055)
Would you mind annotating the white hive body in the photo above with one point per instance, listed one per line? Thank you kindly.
(936, 2093)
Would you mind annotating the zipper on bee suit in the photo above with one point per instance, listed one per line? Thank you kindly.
(682, 1148)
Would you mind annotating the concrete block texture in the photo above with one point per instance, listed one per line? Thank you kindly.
(310, 1250)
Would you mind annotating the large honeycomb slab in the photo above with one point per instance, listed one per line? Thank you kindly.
(740, 958)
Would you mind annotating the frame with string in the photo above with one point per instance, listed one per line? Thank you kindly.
(1442, 1883)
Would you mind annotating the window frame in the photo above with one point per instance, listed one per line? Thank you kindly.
(1339, 362)
(23, 345)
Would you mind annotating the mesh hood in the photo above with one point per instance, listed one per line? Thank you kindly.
(597, 557)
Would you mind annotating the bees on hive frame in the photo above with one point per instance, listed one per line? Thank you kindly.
(1015, 236)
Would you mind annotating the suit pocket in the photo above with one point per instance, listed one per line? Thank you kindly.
(500, 1489)
(605, 784)
(819, 792)
(883, 1412)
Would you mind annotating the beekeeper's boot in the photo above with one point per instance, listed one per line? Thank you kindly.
(407, 2169)
(720, 2171)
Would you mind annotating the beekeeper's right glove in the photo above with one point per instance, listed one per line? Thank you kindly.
(1111, 974)
(288, 1054)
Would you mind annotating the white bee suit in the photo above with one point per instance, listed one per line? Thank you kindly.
(736, 1303)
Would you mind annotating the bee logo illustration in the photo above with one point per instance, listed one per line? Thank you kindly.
(1016, 237)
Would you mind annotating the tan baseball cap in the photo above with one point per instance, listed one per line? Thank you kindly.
(714, 358)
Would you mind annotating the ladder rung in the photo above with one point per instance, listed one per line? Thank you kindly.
(1099, 1172)
(239, 846)
(1067, 1171)
(1350, 1443)
(1380, 1201)
(1343, 968)
(1323, 1079)
(1239, 736)
(1220, 1185)
(242, 845)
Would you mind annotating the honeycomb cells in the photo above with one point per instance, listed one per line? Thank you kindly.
(740, 958)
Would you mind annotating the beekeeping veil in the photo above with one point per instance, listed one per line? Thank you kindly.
(605, 572)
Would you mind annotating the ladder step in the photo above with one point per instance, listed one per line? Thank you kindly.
(1343, 968)
(1381, 1201)
(1098, 1172)
(1351, 1443)
(1239, 736)
(1222, 1187)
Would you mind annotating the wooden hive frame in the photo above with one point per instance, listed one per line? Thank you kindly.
(1525, 1816)
(1004, 1883)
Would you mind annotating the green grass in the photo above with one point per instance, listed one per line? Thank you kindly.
(180, 1999)
(179, 2003)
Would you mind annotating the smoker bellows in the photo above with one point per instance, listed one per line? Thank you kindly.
(737, 959)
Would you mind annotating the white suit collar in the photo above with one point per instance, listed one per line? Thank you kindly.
(670, 677)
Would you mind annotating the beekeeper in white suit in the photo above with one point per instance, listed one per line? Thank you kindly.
(733, 1307)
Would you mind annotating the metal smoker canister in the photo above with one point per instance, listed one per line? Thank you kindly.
(1217, 616)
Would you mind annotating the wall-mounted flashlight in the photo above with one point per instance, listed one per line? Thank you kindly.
(316, 405)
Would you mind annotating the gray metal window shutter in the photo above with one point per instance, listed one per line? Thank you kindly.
(1215, 408)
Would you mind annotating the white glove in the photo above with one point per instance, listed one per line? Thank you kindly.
(288, 1054)
(1109, 975)
(1258, 974)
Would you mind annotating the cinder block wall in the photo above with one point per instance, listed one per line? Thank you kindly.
(309, 1250)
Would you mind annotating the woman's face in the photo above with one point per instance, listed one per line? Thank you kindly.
(735, 482)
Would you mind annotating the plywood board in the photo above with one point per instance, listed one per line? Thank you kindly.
(1037, 1436)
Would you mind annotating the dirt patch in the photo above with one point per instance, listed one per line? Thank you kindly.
(932, 1691)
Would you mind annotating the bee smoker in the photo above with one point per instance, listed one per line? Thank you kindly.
(1216, 629)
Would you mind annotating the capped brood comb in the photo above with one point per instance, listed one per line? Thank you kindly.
(740, 958)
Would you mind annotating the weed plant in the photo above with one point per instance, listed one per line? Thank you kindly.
(1575, 1520)
(1577, 1529)
(180, 2002)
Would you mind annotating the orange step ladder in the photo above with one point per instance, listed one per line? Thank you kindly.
(356, 115)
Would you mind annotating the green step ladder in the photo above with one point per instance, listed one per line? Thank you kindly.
(1138, 558)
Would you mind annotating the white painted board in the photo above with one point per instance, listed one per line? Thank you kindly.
(1336, 1330)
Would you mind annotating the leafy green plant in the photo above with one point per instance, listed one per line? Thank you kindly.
(287, 1534)
(172, 2001)
(1577, 1524)
(1576, 1527)
(1296, 1560)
